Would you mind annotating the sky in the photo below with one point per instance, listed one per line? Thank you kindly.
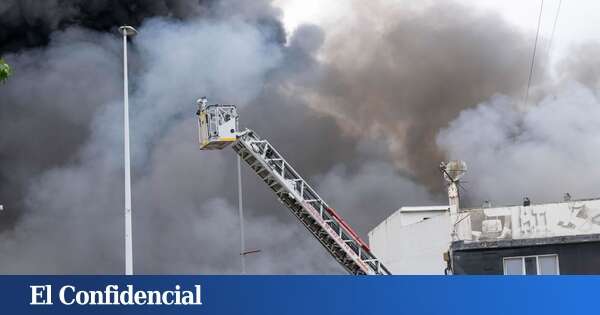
(578, 20)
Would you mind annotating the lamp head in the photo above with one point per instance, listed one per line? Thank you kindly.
(453, 170)
(127, 30)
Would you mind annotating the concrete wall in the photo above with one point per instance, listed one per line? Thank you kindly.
(413, 239)
(577, 217)
(411, 215)
(415, 248)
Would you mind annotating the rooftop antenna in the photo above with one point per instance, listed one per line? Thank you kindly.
(453, 172)
(127, 31)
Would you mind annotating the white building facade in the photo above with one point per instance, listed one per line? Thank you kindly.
(423, 241)
(413, 240)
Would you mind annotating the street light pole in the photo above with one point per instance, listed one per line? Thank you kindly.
(241, 213)
(127, 31)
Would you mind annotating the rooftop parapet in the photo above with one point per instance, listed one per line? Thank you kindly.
(571, 217)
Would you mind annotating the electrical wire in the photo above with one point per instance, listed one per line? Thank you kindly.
(554, 28)
(537, 35)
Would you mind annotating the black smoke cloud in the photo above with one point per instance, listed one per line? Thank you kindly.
(30, 23)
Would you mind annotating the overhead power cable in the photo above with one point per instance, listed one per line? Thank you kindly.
(537, 35)
(554, 27)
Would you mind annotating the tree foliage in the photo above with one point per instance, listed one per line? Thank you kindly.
(4, 70)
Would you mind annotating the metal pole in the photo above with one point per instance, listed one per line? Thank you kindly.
(241, 212)
(127, 31)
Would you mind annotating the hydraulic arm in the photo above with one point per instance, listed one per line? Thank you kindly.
(218, 128)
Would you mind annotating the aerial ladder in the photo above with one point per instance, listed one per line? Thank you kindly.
(218, 127)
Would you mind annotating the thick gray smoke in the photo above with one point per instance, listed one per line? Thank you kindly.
(61, 144)
(49, 104)
(411, 71)
(541, 152)
(581, 66)
(356, 112)
(63, 159)
(370, 192)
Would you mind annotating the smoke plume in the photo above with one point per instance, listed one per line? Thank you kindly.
(31, 23)
(62, 164)
(541, 152)
(365, 112)
(411, 71)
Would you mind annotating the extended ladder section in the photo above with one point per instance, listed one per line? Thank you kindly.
(293, 191)
(304, 202)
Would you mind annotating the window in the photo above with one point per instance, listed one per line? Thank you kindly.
(513, 266)
(548, 265)
(531, 265)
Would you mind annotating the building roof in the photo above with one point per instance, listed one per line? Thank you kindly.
(532, 204)
(424, 208)
(526, 242)
(411, 210)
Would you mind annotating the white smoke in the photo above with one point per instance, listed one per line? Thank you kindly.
(542, 151)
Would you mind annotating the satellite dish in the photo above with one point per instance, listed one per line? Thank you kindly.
(454, 170)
